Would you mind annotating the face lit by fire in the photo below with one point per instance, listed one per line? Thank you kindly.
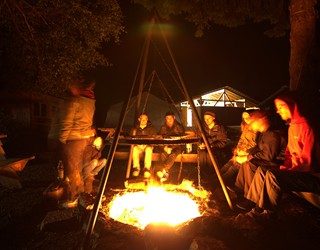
(209, 120)
(170, 120)
(143, 119)
(283, 109)
(260, 125)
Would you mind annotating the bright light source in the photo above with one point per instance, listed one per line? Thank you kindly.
(156, 205)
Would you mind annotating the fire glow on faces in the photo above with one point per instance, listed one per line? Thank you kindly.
(170, 120)
(260, 125)
(282, 109)
(209, 120)
(143, 120)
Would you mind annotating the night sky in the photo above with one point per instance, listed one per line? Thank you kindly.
(243, 58)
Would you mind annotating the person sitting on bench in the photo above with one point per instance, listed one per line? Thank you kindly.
(301, 168)
(246, 145)
(143, 127)
(217, 139)
(168, 154)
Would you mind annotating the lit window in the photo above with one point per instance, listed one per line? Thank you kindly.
(189, 117)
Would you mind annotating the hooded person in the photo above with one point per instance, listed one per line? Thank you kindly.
(302, 149)
(300, 171)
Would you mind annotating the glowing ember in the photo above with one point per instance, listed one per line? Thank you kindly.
(156, 205)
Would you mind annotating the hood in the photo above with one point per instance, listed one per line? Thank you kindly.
(291, 99)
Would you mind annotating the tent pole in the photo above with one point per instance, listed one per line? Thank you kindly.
(144, 67)
(145, 54)
(193, 107)
(106, 170)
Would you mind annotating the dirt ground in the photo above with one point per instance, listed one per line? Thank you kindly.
(29, 221)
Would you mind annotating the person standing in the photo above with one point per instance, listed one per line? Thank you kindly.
(75, 132)
(169, 153)
(143, 128)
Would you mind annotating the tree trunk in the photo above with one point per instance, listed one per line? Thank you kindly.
(304, 63)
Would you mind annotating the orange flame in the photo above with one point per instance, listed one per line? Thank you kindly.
(156, 205)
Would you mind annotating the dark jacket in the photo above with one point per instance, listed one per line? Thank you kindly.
(148, 130)
(269, 147)
(176, 130)
(217, 136)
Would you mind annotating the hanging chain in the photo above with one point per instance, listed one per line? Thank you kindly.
(167, 66)
(198, 168)
(148, 92)
(150, 79)
(178, 83)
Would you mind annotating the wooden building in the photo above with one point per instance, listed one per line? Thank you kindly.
(26, 118)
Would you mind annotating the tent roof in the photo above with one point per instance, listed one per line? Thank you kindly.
(231, 93)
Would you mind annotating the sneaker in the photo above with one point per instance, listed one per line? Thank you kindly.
(136, 172)
(261, 215)
(163, 175)
(234, 189)
(146, 173)
(245, 205)
(69, 204)
(245, 221)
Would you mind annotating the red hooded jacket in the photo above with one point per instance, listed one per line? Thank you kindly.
(301, 144)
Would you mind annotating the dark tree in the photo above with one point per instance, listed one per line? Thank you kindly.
(44, 43)
(299, 17)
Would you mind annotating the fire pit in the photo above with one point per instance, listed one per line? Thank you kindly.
(155, 216)
(169, 204)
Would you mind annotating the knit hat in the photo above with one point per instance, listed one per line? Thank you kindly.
(210, 113)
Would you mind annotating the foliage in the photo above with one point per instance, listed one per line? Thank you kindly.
(45, 43)
(230, 13)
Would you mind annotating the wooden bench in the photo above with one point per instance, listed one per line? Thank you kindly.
(182, 158)
(190, 158)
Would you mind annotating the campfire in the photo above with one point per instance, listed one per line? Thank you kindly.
(170, 204)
